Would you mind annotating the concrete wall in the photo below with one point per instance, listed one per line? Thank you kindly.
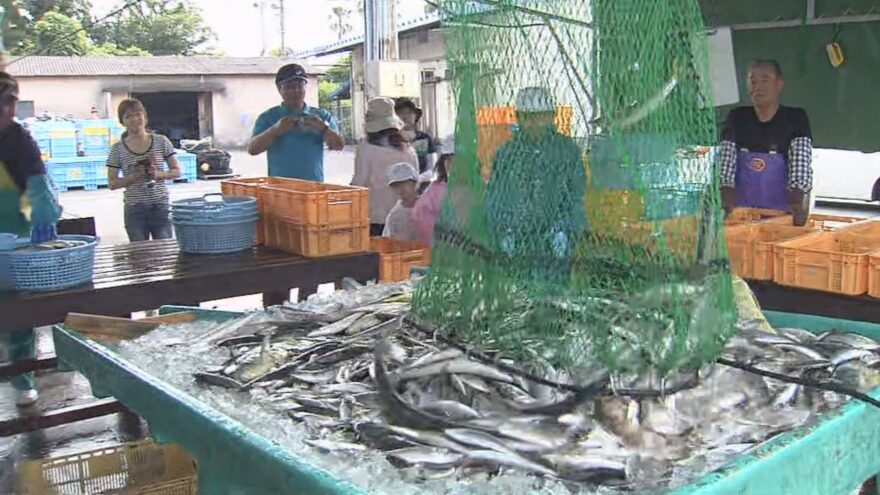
(429, 48)
(236, 100)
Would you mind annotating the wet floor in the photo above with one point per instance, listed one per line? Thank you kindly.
(58, 390)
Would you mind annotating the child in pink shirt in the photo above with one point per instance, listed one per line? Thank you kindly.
(429, 205)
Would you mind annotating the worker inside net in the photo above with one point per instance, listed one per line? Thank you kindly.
(535, 194)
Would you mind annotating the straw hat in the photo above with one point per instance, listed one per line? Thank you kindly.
(381, 115)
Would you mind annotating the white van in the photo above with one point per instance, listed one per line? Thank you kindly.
(840, 175)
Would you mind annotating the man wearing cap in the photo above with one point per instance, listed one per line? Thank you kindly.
(535, 195)
(421, 141)
(293, 133)
(27, 197)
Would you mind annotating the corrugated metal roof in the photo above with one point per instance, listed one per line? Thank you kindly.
(38, 66)
(351, 42)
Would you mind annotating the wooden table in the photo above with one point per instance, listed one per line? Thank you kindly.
(146, 275)
(793, 300)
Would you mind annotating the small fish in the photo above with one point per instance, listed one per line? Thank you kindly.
(477, 438)
(847, 355)
(351, 388)
(852, 340)
(335, 446)
(787, 397)
(364, 324)
(217, 380)
(428, 437)
(434, 357)
(452, 409)
(474, 383)
(587, 468)
(803, 350)
(799, 335)
(315, 377)
(337, 327)
(456, 366)
(427, 457)
(243, 339)
(504, 459)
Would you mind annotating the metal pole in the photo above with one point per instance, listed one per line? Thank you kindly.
(281, 12)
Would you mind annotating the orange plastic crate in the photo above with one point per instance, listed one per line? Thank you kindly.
(751, 247)
(827, 223)
(752, 215)
(397, 258)
(678, 235)
(316, 242)
(874, 275)
(828, 261)
(250, 187)
(315, 203)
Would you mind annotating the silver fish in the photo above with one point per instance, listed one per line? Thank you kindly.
(431, 438)
(477, 438)
(505, 459)
(803, 350)
(337, 327)
(587, 468)
(787, 397)
(847, 355)
(456, 366)
(452, 409)
(434, 357)
(798, 335)
(427, 457)
(217, 380)
(335, 446)
(852, 340)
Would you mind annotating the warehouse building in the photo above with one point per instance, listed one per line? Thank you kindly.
(186, 97)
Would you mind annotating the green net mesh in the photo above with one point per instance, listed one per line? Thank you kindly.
(582, 223)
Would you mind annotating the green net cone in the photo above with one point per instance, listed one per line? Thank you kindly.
(582, 222)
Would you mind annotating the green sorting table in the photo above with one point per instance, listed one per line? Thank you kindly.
(831, 458)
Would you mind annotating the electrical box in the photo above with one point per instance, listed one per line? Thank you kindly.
(393, 79)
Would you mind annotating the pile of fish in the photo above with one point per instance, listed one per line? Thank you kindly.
(361, 375)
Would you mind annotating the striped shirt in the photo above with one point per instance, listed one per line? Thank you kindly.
(122, 158)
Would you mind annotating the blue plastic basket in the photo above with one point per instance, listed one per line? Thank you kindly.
(42, 271)
(215, 227)
(188, 166)
(216, 238)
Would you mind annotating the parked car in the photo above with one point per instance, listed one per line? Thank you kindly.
(840, 175)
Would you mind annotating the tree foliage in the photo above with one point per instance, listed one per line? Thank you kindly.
(59, 34)
(76, 9)
(160, 28)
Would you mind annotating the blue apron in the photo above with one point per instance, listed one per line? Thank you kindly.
(762, 180)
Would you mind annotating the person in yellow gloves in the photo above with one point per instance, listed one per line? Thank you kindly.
(28, 208)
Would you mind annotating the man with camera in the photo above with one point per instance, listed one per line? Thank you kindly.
(293, 133)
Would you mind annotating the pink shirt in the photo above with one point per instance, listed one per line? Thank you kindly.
(427, 211)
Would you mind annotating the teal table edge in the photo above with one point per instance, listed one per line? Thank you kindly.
(832, 457)
(268, 468)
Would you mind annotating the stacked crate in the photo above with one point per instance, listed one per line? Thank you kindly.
(311, 219)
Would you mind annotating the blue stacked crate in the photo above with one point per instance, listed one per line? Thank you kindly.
(188, 166)
(75, 171)
(95, 136)
(62, 140)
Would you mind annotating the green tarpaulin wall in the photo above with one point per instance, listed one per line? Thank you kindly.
(843, 103)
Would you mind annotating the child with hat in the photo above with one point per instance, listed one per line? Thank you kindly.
(400, 223)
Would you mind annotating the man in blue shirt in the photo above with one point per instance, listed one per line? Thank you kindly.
(294, 133)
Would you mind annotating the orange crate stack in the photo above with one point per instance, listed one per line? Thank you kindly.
(829, 261)
(316, 241)
(752, 215)
(827, 223)
(752, 247)
(250, 187)
(397, 258)
(315, 203)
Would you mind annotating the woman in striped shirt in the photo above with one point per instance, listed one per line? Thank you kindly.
(142, 157)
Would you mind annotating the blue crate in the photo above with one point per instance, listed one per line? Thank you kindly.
(62, 147)
(84, 171)
(94, 136)
(188, 166)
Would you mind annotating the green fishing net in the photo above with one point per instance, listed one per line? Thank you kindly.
(583, 220)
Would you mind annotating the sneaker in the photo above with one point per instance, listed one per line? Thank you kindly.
(27, 397)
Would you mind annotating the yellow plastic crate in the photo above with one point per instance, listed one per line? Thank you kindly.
(136, 468)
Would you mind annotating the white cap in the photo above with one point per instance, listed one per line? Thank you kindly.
(402, 172)
(380, 116)
(448, 145)
(535, 99)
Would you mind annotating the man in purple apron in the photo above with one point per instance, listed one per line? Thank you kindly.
(766, 150)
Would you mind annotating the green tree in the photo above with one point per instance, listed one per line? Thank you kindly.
(340, 72)
(160, 28)
(77, 9)
(325, 89)
(13, 25)
(111, 50)
(58, 34)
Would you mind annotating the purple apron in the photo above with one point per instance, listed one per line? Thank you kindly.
(762, 180)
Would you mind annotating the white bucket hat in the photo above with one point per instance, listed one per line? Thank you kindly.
(535, 99)
(402, 172)
(380, 116)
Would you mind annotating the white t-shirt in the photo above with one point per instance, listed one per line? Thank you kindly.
(400, 224)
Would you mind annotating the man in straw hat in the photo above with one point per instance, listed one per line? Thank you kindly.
(293, 133)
